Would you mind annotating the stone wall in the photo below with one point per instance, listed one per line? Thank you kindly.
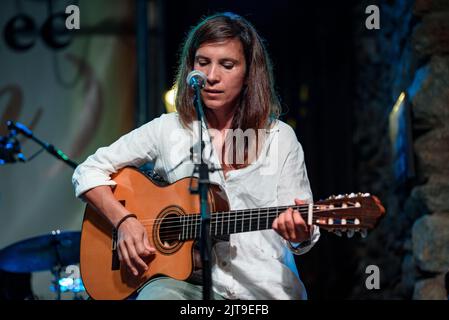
(410, 53)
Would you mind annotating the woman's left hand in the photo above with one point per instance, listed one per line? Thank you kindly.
(291, 226)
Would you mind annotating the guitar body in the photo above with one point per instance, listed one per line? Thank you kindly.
(149, 201)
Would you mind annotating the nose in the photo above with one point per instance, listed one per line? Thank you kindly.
(213, 75)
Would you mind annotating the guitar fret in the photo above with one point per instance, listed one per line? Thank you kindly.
(188, 226)
(196, 223)
(243, 220)
(235, 222)
(222, 223)
(258, 220)
(192, 225)
(267, 219)
(216, 223)
(250, 214)
(211, 225)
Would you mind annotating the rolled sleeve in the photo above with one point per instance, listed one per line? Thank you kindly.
(85, 179)
(301, 248)
(133, 149)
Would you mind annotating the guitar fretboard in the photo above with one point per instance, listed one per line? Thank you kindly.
(188, 227)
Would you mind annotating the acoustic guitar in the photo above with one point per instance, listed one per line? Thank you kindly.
(170, 214)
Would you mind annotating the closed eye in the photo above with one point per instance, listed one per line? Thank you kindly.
(228, 66)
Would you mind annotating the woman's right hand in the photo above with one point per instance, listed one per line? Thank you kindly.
(132, 240)
(133, 246)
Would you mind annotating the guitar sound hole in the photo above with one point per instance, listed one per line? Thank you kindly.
(169, 230)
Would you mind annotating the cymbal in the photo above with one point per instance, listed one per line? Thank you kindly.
(42, 252)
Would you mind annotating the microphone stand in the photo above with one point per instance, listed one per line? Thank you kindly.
(203, 185)
(47, 146)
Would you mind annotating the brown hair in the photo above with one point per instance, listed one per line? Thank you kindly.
(259, 104)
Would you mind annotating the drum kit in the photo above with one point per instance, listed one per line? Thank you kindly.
(57, 252)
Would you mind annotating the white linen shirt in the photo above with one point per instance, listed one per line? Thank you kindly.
(251, 265)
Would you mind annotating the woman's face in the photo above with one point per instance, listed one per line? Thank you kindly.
(224, 65)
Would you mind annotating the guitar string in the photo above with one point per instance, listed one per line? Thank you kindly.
(175, 236)
(188, 228)
(193, 218)
(167, 236)
(244, 211)
(300, 208)
(196, 223)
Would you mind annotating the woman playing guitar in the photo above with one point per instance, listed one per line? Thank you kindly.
(261, 161)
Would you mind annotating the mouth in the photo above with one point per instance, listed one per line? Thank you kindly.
(213, 91)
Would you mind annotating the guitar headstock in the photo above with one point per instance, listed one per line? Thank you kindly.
(349, 213)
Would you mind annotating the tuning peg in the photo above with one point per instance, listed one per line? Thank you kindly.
(339, 197)
(363, 233)
(350, 233)
(351, 195)
(366, 195)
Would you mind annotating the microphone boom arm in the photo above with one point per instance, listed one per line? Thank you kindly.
(20, 128)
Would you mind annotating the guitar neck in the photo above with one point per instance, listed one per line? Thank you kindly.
(238, 221)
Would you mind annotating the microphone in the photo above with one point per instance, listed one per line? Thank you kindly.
(20, 128)
(196, 78)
